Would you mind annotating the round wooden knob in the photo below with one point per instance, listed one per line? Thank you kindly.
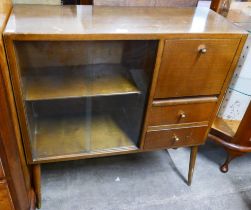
(202, 49)
(182, 115)
(176, 138)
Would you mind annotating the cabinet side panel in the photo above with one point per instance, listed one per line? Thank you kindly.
(15, 165)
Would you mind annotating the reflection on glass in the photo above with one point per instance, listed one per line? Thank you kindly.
(84, 97)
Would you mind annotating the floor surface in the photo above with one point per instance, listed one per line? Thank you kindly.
(148, 181)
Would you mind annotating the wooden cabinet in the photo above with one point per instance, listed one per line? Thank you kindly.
(5, 199)
(194, 67)
(101, 81)
(15, 183)
(6, 202)
(1, 170)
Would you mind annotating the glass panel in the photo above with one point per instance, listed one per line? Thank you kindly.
(84, 97)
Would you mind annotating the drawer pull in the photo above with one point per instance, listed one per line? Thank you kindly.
(176, 138)
(182, 115)
(202, 49)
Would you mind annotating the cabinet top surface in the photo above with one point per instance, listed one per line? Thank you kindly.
(93, 20)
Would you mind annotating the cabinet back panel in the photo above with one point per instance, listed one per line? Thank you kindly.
(50, 54)
(40, 54)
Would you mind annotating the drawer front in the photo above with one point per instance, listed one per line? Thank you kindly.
(1, 170)
(5, 200)
(194, 67)
(181, 111)
(175, 137)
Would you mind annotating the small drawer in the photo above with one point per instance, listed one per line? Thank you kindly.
(5, 199)
(176, 137)
(1, 170)
(165, 112)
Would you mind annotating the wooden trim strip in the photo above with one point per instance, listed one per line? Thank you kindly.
(76, 37)
(160, 49)
(15, 80)
(177, 126)
(167, 102)
(94, 154)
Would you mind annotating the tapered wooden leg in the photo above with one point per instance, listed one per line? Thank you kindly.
(193, 156)
(37, 183)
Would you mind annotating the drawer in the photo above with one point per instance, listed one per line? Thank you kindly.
(164, 112)
(176, 137)
(5, 200)
(194, 67)
(1, 170)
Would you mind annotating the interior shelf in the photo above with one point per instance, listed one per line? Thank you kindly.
(226, 127)
(84, 126)
(78, 135)
(78, 81)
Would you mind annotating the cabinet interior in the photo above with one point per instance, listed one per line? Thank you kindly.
(83, 97)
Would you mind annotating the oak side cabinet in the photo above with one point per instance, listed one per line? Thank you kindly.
(16, 191)
(99, 81)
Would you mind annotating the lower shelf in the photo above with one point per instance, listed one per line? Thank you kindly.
(55, 137)
(226, 127)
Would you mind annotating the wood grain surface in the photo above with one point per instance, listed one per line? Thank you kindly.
(78, 22)
(198, 73)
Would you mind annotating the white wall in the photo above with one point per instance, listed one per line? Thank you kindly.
(53, 2)
(238, 95)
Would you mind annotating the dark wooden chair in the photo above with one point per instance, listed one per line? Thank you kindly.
(235, 139)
